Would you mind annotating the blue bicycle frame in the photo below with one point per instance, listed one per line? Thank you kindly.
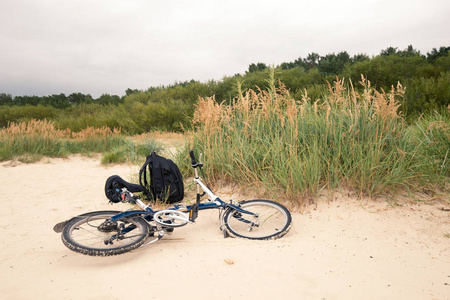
(148, 213)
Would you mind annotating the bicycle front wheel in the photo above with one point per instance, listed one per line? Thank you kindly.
(94, 234)
(268, 220)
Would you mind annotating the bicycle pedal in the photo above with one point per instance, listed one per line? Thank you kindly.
(193, 212)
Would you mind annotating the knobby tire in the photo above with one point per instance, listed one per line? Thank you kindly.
(82, 234)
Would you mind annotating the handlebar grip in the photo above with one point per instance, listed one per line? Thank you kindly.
(193, 160)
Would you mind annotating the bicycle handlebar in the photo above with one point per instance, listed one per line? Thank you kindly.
(193, 160)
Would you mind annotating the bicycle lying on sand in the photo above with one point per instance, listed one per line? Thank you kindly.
(104, 233)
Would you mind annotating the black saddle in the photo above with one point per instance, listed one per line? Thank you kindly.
(114, 186)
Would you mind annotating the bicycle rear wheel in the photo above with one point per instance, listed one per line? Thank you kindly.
(94, 234)
(271, 220)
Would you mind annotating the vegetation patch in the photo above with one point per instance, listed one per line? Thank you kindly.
(358, 140)
(29, 141)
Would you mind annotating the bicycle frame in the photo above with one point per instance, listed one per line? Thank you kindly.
(215, 203)
(147, 212)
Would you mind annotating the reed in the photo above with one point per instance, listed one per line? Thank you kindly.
(294, 149)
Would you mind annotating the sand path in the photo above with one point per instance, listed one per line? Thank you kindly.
(340, 250)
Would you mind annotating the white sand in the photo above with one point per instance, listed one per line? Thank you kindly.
(341, 250)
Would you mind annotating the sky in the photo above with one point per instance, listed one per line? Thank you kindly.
(107, 46)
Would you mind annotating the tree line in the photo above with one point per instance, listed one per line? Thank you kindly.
(170, 107)
(59, 100)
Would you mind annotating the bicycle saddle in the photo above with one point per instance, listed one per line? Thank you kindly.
(115, 183)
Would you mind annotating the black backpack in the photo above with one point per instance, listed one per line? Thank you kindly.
(166, 182)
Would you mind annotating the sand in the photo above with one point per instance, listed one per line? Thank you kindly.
(343, 249)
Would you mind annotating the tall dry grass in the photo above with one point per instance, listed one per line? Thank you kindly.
(294, 149)
(42, 137)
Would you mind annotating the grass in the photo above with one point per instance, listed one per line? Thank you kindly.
(30, 141)
(130, 152)
(291, 149)
(433, 132)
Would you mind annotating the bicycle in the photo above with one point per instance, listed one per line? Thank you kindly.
(104, 233)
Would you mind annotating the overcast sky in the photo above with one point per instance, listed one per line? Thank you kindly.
(106, 46)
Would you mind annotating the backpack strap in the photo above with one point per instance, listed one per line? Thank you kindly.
(143, 176)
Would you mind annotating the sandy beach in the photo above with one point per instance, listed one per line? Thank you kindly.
(340, 249)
